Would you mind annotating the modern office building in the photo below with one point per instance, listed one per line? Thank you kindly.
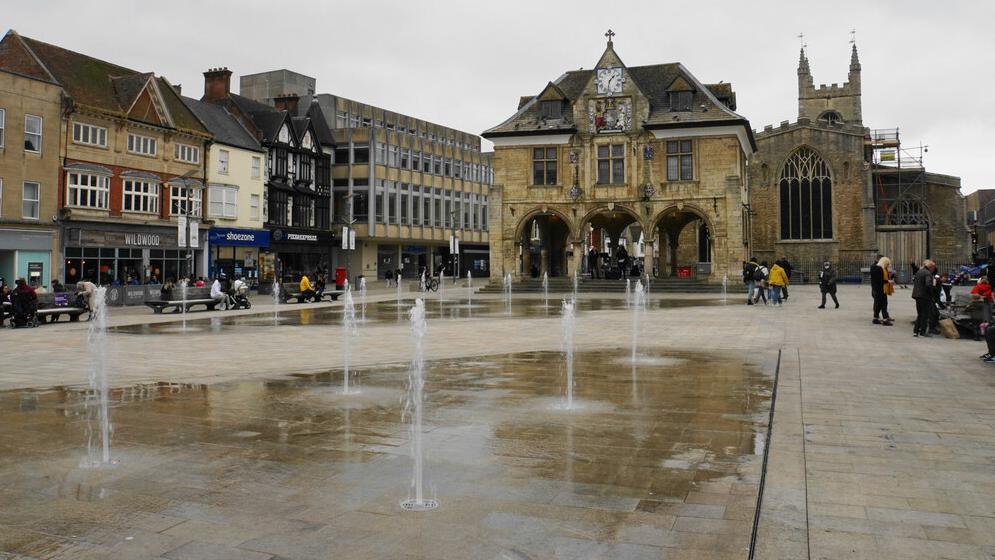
(404, 185)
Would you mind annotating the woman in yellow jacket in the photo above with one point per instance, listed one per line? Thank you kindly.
(776, 280)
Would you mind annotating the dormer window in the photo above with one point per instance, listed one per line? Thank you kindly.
(831, 117)
(552, 109)
(680, 100)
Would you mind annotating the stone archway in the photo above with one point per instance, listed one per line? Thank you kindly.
(603, 230)
(682, 247)
(542, 238)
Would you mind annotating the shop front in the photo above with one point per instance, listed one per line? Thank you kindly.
(117, 254)
(26, 253)
(295, 252)
(236, 252)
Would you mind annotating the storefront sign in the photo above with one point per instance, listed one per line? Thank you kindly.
(280, 235)
(231, 237)
(165, 239)
(141, 239)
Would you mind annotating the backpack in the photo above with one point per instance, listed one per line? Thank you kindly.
(758, 274)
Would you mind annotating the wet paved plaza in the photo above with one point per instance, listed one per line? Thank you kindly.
(232, 439)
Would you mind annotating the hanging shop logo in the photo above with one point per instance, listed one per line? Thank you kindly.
(141, 239)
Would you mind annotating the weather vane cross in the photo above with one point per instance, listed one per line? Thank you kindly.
(801, 40)
(853, 36)
(610, 34)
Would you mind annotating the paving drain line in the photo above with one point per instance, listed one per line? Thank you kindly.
(763, 470)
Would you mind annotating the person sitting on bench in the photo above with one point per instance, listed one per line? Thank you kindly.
(307, 288)
(217, 292)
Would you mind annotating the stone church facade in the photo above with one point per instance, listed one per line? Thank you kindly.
(614, 152)
(826, 187)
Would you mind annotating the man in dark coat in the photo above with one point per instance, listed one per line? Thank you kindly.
(827, 284)
(922, 292)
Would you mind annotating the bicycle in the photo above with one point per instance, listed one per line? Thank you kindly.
(432, 284)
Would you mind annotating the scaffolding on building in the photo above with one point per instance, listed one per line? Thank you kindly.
(899, 180)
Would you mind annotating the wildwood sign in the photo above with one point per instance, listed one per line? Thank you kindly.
(164, 240)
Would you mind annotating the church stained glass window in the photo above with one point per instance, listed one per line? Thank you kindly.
(806, 196)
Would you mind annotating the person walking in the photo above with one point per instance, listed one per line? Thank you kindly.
(827, 284)
(760, 275)
(778, 281)
(786, 265)
(922, 292)
(749, 273)
(881, 287)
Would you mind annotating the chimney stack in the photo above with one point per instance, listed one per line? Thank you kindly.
(178, 88)
(217, 84)
(287, 102)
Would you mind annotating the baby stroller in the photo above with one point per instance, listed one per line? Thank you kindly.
(238, 296)
(24, 310)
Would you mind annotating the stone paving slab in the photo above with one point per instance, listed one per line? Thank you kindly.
(883, 445)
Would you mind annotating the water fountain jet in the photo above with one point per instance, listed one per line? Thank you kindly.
(348, 331)
(413, 408)
(98, 453)
(568, 324)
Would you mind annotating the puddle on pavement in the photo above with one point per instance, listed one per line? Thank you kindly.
(499, 449)
(390, 312)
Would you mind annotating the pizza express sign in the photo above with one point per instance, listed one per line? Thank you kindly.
(280, 235)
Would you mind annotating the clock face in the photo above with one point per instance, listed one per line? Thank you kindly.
(609, 81)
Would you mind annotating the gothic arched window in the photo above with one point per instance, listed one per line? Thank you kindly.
(806, 197)
(908, 212)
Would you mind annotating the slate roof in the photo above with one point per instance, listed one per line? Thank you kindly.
(225, 127)
(91, 82)
(653, 81)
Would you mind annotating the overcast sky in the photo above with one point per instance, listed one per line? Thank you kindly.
(927, 66)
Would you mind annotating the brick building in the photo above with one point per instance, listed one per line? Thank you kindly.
(132, 167)
(826, 187)
(648, 158)
(30, 112)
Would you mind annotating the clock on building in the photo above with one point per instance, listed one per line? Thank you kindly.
(609, 81)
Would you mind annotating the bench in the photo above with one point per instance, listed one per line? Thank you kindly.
(51, 306)
(330, 295)
(195, 296)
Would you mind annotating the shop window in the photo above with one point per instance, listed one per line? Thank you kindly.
(278, 207)
(141, 196)
(84, 190)
(31, 197)
(680, 160)
(32, 133)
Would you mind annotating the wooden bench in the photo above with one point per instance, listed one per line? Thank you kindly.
(51, 306)
(330, 295)
(195, 296)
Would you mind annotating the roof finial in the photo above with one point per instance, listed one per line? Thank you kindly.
(853, 37)
(801, 40)
(610, 34)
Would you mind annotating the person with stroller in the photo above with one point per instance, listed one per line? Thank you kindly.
(84, 293)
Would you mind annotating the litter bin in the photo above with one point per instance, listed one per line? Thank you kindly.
(340, 277)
